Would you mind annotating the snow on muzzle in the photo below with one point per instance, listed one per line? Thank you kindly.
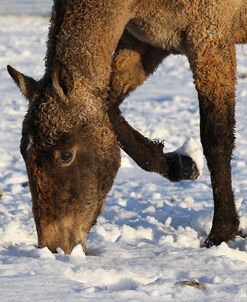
(63, 235)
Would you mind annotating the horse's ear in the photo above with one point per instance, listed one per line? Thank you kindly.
(61, 81)
(26, 84)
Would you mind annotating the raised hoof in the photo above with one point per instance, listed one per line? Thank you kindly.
(181, 167)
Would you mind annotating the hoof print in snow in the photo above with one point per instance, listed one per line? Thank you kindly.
(1, 193)
(192, 283)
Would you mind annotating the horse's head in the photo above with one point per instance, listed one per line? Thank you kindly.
(71, 156)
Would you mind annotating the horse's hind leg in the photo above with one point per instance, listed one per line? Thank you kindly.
(214, 69)
(132, 63)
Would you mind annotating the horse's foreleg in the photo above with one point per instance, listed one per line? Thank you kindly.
(214, 68)
(132, 63)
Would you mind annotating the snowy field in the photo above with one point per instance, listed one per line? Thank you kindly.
(147, 240)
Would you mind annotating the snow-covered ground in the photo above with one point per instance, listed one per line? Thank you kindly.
(147, 240)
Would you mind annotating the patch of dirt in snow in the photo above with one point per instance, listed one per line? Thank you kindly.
(193, 283)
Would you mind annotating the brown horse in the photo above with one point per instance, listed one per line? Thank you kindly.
(69, 134)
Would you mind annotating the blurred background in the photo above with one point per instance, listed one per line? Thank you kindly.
(25, 7)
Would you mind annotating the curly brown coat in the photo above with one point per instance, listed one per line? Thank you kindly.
(68, 140)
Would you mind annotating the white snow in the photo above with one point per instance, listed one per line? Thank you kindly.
(193, 149)
(133, 235)
(147, 240)
(78, 252)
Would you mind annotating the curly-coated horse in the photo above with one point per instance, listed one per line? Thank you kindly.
(98, 51)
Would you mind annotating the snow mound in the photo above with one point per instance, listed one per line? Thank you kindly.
(193, 149)
(131, 235)
(225, 250)
(78, 251)
(44, 253)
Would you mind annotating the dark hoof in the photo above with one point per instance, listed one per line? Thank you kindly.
(216, 240)
(211, 241)
(181, 167)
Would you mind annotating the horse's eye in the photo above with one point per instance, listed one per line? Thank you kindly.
(64, 157)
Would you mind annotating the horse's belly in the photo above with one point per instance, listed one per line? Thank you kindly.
(155, 34)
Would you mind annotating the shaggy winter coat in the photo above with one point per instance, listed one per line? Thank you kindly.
(68, 141)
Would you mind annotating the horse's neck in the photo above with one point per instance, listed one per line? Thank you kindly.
(83, 35)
